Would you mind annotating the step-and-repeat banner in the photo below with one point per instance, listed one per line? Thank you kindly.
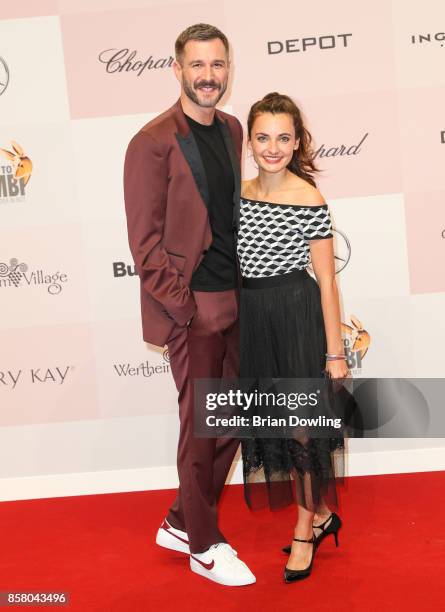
(79, 389)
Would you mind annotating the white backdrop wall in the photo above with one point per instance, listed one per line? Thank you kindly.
(85, 405)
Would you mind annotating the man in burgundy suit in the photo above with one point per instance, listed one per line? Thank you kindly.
(182, 189)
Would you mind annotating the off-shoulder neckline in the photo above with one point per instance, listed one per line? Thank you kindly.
(287, 205)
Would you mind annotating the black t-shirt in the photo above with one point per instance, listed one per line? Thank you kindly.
(217, 270)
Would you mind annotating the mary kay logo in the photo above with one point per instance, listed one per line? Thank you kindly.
(124, 60)
(341, 150)
(34, 376)
(4, 76)
(419, 39)
(295, 45)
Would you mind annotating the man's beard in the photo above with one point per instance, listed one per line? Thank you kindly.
(190, 92)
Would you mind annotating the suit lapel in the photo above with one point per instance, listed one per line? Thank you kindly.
(236, 170)
(191, 153)
(189, 148)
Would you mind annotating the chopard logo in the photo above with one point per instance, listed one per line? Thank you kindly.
(124, 60)
(295, 45)
(340, 150)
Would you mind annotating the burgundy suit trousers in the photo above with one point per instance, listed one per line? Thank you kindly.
(208, 348)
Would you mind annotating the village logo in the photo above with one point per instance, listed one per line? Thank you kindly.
(340, 150)
(35, 376)
(421, 39)
(295, 45)
(17, 274)
(356, 341)
(4, 76)
(14, 176)
(124, 60)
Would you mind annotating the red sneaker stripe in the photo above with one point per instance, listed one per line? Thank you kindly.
(166, 527)
(207, 566)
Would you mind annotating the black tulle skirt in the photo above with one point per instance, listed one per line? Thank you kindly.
(282, 335)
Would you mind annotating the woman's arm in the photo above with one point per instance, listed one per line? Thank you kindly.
(323, 263)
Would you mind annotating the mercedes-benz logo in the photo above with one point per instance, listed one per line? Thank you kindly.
(4, 75)
(342, 253)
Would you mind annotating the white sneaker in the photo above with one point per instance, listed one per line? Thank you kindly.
(220, 564)
(172, 538)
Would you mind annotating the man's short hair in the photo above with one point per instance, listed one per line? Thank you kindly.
(199, 31)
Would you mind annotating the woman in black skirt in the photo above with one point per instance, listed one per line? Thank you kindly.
(289, 322)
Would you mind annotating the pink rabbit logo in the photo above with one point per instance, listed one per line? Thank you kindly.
(359, 337)
(20, 162)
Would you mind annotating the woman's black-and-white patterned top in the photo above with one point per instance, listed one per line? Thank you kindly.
(274, 238)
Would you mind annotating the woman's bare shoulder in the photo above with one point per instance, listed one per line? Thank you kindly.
(303, 193)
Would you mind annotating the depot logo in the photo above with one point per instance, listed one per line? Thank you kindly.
(308, 43)
(15, 175)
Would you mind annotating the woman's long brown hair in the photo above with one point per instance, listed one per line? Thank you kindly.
(301, 163)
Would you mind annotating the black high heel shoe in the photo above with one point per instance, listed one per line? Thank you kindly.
(333, 527)
(294, 575)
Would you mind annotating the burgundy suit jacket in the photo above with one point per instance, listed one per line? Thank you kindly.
(166, 202)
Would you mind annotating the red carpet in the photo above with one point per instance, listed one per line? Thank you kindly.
(100, 548)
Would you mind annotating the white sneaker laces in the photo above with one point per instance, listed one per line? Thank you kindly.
(230, 555)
